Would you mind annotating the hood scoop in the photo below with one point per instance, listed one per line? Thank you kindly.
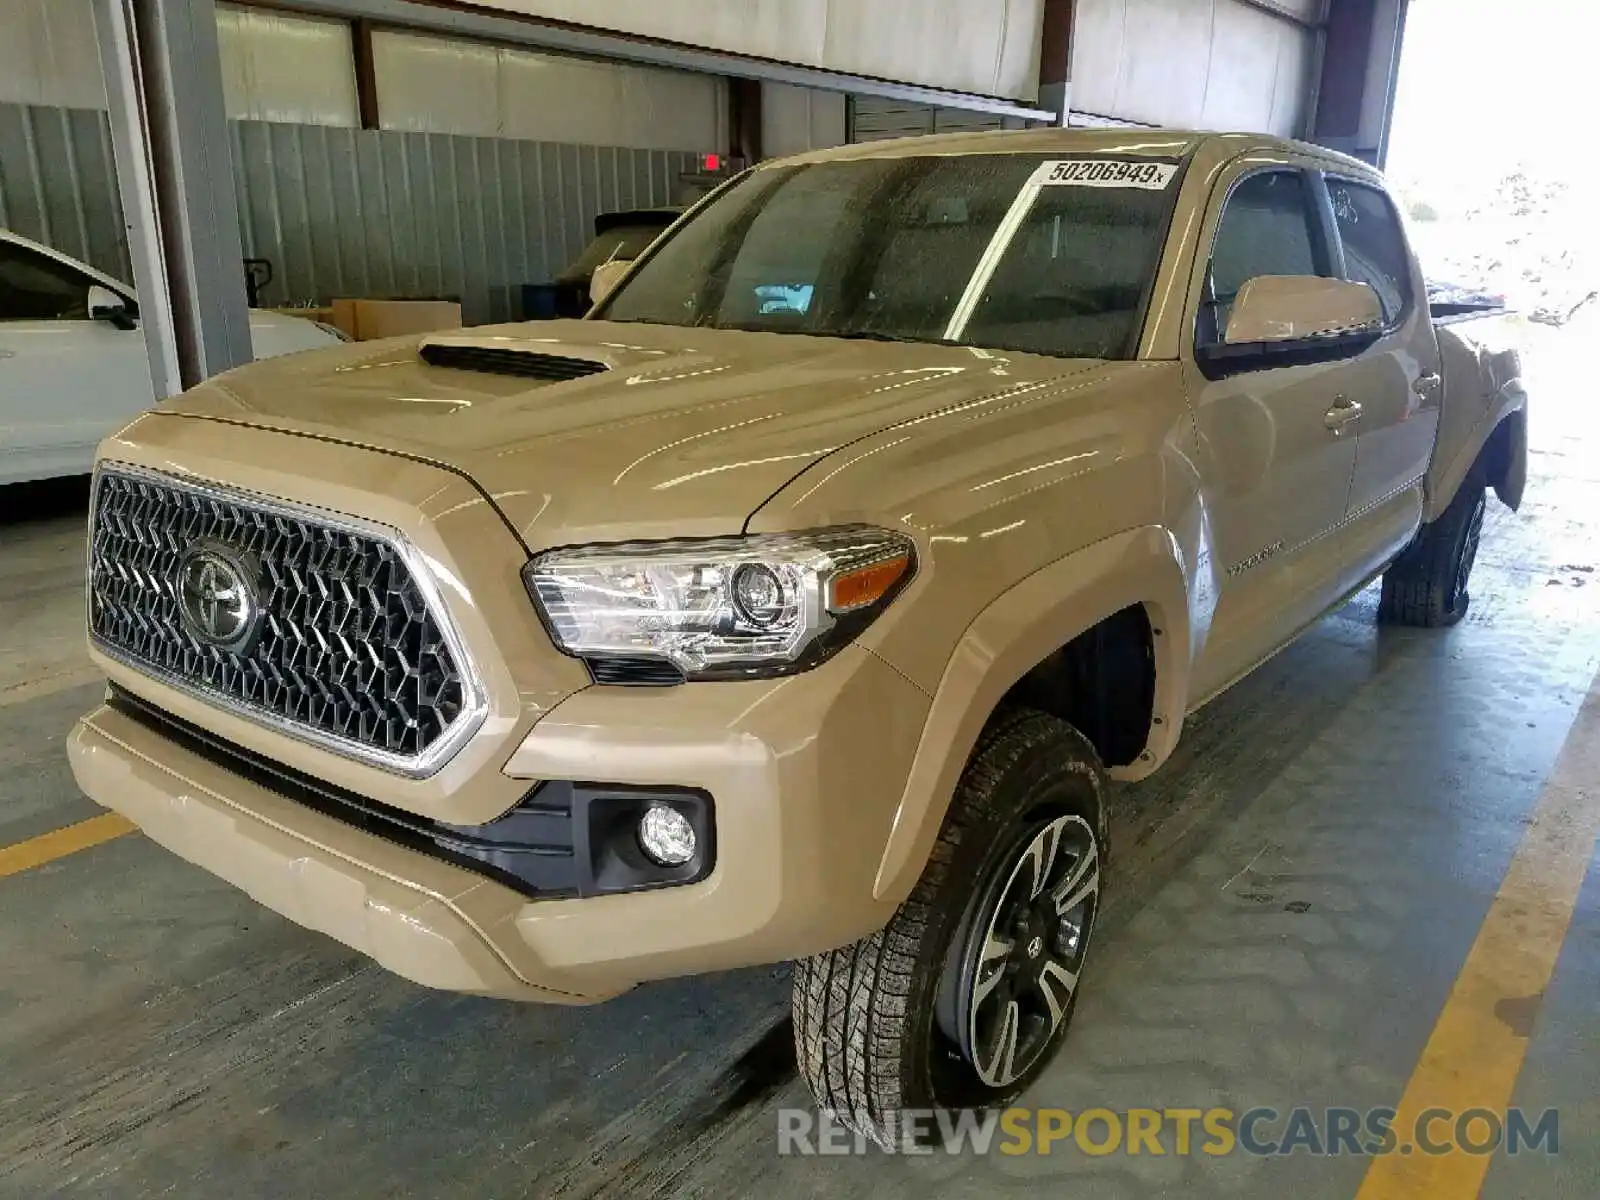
(504, 360)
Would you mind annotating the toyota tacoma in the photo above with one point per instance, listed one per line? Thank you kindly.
(797, 602)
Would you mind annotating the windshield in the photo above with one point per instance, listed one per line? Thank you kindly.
(1009, 251)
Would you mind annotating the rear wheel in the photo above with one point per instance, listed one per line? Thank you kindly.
(1427, 585)
(966, 994)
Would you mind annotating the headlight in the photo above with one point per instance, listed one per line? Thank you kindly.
(719, 608)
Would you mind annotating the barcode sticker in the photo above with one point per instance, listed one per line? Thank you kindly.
(1105, 173)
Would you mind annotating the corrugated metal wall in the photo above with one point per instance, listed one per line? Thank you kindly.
(347, 211)
(58, 185)
(379, 212)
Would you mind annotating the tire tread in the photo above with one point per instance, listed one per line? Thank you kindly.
(852, 1005)
(1418, 586)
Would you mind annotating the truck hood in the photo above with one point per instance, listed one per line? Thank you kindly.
(672, 432)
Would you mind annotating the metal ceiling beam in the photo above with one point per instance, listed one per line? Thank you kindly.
(476, 24)
(1285, 13)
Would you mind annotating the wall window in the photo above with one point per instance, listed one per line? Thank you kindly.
(446, 85)
(290, 69)
(1374, 246)
(49, 55)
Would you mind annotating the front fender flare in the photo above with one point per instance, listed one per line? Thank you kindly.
(1034, 618)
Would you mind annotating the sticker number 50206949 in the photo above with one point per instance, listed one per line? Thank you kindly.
(1104, 172)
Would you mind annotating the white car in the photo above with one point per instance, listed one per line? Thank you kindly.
(73, 366)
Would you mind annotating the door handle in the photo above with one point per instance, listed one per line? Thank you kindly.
(1426, 383)
(8, 353)
(1341, 414)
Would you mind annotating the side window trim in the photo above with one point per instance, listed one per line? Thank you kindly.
(72, 271)
(1327, 223)
(1325, 242)
(1328, 178)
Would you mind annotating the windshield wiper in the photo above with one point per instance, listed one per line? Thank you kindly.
(849, 335)
(871, 335)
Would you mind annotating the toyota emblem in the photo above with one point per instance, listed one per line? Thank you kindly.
(217, 598)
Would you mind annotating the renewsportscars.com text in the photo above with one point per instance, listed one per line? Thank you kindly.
(1215, 1132)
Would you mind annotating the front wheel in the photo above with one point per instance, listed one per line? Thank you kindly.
(1427, 585)
(961, 1000)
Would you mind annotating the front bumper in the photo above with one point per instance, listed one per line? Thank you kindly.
(806, 773)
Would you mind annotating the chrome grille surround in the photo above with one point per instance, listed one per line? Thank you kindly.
(357, 653)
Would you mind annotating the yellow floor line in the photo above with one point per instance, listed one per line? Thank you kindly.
(59, 843)
(1476, 1050)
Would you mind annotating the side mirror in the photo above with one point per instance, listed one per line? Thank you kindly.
(106, 305)
(605, 279)
(1287, 308)
(1292, 320)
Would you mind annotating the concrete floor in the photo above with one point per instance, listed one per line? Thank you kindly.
(1296, 893)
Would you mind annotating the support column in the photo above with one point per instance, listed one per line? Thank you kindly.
(1055, 59)
(744, 122)
(1360, 67)
(175, 173)
(366, 74)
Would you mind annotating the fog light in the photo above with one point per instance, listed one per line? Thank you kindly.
(666, 835)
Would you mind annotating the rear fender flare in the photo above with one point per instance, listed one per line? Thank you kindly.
(1455, 455)
(1510, 477)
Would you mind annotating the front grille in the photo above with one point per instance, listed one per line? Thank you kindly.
(524, 365)
(346, 650)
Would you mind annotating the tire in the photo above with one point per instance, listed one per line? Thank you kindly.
(1427, 585)
(914, 1017)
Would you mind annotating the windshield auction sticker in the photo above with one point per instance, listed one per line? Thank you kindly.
(1105, 173)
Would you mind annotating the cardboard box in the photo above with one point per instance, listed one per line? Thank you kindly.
(366, 320)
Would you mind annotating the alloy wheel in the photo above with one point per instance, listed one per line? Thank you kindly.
(1020, 963)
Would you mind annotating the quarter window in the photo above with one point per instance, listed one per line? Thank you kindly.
(1374, 247)
(34, 287)
(1266, 229)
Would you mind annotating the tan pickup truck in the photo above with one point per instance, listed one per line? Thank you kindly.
(798, 602)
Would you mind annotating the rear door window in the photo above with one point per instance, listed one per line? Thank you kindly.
(1374, 245)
